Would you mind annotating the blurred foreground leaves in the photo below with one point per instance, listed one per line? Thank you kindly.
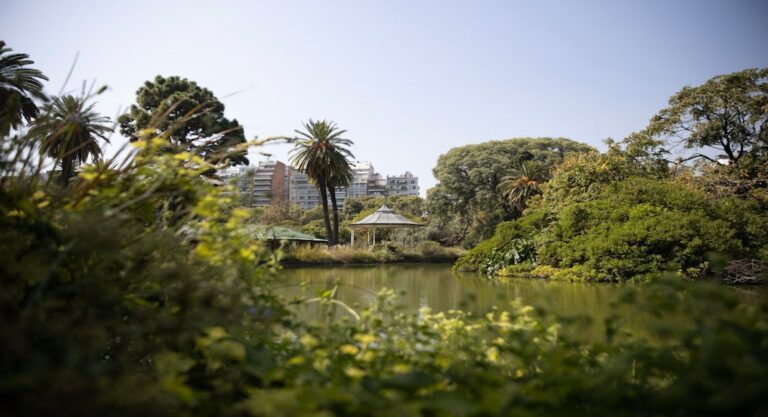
(136, 291)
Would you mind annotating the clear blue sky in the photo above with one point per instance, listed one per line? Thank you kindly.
(408, 79)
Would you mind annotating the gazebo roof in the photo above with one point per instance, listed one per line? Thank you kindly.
(384, 217)
(281, 233)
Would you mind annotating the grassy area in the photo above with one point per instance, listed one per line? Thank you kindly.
(386, 253)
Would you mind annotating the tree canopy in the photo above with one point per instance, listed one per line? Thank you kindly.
(468, 201)
(726, 118)
(189, 115)
(606, 217)
(69, 132)
(322, 154)
(20, 85)
(631, 212)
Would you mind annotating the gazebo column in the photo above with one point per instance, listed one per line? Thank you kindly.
(374, 236)
(353, 238)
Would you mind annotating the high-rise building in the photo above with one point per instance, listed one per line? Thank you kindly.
(406, 184)
(262, 185)
(366, 182)
(269, 185)
(304, 194)
(363, 173)
(377, 186)
(239, 176)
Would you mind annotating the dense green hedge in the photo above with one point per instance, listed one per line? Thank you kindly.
(640, 226)
(631, 228)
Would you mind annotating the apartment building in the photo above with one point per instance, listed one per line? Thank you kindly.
(366, 182)
(377, 186)
(363, 173)
(262, 185)
(406, 184)
(304, 194)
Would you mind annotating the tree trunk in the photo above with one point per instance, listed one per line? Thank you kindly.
(332, 191)
(66, 171)
(326, 219)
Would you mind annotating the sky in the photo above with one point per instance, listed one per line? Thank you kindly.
(408, 80)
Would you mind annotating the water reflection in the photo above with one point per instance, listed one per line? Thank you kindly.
(437, 287)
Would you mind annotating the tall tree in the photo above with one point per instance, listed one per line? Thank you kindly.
(69, 131)
(341, 176)
(190, 115)
(726, 118)
(468, 202)
(19, 87)
(321, 153)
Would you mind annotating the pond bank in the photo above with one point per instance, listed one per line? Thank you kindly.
(424, 252)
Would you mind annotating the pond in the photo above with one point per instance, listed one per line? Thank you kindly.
(436, 286)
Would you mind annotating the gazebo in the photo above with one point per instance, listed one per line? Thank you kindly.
(383, 218)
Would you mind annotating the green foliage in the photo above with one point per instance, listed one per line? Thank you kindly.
(468, 201)
(728, 113)
(321, 153)
(721, 125)
(20, 85)
(583, 176)
(426, 251)
(524, 183)
(190, 117)
(137, 292)
(278, 214)
(638, 227)
(108, 301)
(624, 214)
(522, 362)
(69, 131)
(630, 229)
(509, 245)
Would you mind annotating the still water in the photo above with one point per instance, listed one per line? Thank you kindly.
(437, 287)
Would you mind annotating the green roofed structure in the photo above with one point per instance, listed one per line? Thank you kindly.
(279, 233)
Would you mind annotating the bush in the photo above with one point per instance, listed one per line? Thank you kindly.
(633, 228)
(382, 253)
(509, 245)
(429, 251)
(638, 227)
(115, 290)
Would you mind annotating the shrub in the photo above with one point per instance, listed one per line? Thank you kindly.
(509, 245)
(638, 227)
(633, 228)
(383, 253)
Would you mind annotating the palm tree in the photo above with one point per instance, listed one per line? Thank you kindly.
(69, 130)
(341, 176)
(320, 152)
(19, 85)
(525, 182)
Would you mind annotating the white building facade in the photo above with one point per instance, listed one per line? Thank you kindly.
(406, 184)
